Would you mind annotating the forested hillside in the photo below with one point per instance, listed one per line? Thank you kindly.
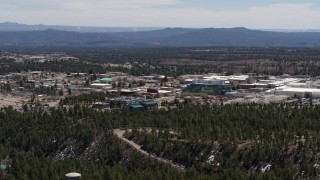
(213, 142)
(174, 61)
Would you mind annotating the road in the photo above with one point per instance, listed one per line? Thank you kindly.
(120, 135)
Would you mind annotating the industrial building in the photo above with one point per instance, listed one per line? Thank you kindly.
(146, 105)
(136, 107)
(100, 86)
(123, 101)
(163, 91)
(205, 86)
(104, 81)
(296, 92)
(150, 105)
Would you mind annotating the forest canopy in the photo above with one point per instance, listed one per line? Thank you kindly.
(241, 137)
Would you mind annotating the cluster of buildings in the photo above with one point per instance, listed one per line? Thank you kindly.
(253, 88)
(49, 57)
(149, 92)
(39, 58)
(129, 102)
(282, 85)
(215, 89)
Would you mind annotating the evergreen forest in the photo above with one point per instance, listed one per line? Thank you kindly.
(211, 142)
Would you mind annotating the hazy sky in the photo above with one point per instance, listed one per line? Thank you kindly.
(262, 14)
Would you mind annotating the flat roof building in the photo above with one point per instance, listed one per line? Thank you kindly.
(296, 92)
(104, 80)
(149, 105)
(214, 87)
(136, 107)
(101, 86)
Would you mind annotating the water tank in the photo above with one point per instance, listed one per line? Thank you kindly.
(73, 176)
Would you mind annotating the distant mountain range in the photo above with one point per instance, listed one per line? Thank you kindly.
(12, 26)
(163, 37)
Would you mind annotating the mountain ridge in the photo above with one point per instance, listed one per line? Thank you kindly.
(238, 36)
(13, 26)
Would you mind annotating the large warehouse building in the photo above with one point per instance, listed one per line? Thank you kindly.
(214, 87)
(296, 92)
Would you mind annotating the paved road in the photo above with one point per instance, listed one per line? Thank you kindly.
(120, 134)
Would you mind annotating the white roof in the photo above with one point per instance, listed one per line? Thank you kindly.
(126, 90)
(164, 91)
(291, 89)
(297, 83)
(37, 57)
(240, 77)
(73, 174)
(237, 79)
(100, 84)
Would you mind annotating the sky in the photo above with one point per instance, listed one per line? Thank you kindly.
(254, 14)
